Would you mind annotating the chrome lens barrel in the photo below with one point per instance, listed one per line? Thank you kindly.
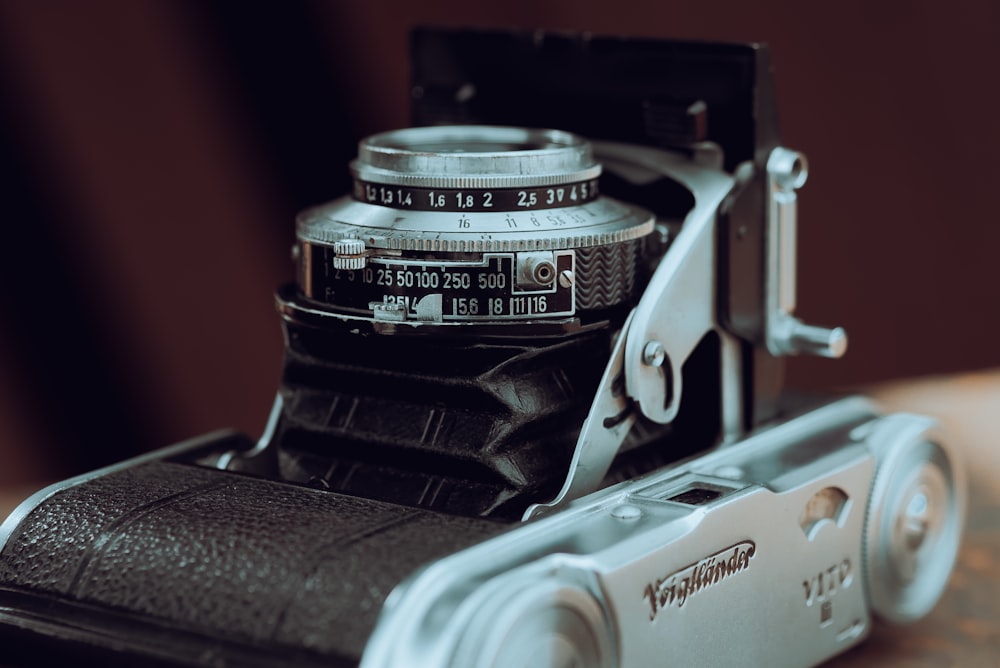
(472, 225)
(475, 157)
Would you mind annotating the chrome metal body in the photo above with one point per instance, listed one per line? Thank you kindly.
(676, 311)
(753, 554)
(678, 307)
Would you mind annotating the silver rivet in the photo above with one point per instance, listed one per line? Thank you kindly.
(542, 272)
(654, 354)
(915, 521)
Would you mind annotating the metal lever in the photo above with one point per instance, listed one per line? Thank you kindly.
(785, 334)
(794, 336)
(605, 429)
(675, 312)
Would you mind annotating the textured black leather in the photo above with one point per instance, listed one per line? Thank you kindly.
(252, 561)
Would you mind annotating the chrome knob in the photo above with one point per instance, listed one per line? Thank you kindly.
(349, 254)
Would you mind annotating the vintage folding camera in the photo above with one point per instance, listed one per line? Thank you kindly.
(531, 409)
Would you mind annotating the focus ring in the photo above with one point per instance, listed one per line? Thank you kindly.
(597, 223)
(476, 199)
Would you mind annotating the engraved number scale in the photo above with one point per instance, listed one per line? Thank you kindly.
(463, 225)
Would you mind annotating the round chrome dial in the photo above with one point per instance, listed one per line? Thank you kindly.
(914, 521)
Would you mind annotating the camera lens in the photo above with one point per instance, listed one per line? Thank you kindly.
(472, 225)
(469, 157)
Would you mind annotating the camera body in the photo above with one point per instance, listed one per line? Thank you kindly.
(521, 422)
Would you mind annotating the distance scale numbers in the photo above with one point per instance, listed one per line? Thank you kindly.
(445, 291)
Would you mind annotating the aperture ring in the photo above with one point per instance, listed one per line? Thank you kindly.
(476, 200)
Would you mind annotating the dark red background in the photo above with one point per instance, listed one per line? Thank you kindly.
(154, 153)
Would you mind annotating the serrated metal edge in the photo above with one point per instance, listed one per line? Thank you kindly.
(375, 240)
(633, 223)
(472, 181)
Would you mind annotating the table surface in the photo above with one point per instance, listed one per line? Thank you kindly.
(964, 629)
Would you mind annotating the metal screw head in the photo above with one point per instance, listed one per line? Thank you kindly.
(916, 520)
(920, 515)
(543, 272)
(653, 354)
(566, 278)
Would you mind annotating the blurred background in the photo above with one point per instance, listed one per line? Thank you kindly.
(153, 156)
